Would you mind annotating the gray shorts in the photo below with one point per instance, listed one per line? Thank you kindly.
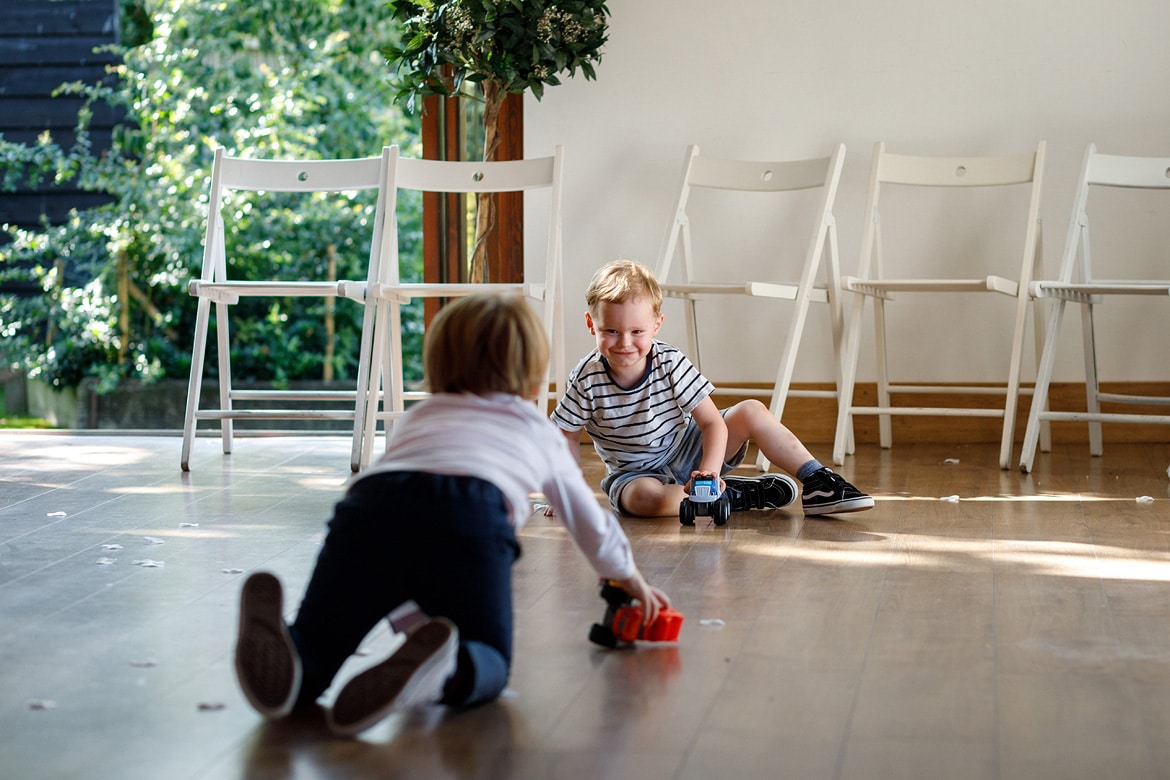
(675, 472)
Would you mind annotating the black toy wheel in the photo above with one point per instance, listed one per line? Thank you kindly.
(686, 513)
(722, 511)
(600, 635)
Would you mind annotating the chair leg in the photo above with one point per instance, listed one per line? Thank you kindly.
(849, 351)
(1040, 337)
(371, 392)
(1012, 396)
(1040, 393)
(1092, 379)
(692, 319)
(225, 373)
(885, 429)
(783, 382)
(361, 395)
(195, 384)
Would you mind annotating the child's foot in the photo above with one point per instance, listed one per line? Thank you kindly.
(414, 674)
(267, 664)
(771, 491)
(826, 493)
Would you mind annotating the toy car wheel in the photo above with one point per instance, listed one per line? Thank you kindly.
(722, 511)
(600, 635)
(686, 513)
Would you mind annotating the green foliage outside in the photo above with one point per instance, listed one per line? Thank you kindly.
(263, 78)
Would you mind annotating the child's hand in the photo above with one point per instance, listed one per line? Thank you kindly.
(652, 599)
(691, 482)
(549, 511)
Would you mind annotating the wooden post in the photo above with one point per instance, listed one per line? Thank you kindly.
(123, 304)
(444, 228)
(330, 307)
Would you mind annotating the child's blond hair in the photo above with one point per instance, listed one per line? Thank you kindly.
(620, 281)
(486, 343)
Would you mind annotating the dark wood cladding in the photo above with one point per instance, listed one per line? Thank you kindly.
(43, 44)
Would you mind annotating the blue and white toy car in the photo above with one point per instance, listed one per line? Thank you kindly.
(705, 499)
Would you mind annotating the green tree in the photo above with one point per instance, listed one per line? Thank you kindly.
(263, 78)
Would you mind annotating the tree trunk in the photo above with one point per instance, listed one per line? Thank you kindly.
(485, 210)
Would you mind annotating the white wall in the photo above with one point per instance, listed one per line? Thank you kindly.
(761, 79)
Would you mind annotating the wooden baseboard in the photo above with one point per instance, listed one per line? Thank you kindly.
(814, 420)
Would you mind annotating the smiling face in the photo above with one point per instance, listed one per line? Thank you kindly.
(624, 333)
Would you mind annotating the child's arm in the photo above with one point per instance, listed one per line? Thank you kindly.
(600, 537)
(574, 440)
(714, 432)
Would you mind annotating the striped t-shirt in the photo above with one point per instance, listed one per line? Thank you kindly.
(635, 429)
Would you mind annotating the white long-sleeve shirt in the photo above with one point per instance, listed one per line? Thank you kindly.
(504, 440)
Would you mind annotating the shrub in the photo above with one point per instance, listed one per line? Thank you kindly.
(269, 78)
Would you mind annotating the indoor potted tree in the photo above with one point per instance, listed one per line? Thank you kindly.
(488, 49)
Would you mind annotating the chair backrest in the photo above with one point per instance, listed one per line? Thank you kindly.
(1106, 170)
(444, 176)
(713, 173)
(305, 176)
(966, 172)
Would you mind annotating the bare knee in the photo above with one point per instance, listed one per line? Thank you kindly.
(647, 497)
(746, 418)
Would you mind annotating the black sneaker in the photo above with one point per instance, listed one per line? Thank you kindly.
(771, 491)
(826, 493)
(267, 664)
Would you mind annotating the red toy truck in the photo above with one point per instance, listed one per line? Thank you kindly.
(622, 624)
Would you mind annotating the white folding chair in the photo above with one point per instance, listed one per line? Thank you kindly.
(795, 271)
(1078, 282)
(386, 395)
(1007, 204)
(216, 286)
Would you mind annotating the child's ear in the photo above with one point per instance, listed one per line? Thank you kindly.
(589, 323)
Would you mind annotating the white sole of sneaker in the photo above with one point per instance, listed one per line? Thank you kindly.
(414, 674)
(841, 507)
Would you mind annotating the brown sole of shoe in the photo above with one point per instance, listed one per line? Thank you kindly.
(266, 663)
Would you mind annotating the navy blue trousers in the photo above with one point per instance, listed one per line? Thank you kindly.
(444, 541)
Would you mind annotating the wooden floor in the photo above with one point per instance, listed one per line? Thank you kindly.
(1020, 631)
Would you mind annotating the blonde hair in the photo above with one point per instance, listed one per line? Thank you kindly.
(486, 343)
(620, 281)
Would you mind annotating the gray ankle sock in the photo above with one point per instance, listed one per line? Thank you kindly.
(805, 471)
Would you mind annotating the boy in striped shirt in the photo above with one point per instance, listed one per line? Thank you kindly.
(650, 415)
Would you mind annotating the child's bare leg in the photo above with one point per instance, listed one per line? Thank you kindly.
(647, 497)
(752, 420)
(824, 493)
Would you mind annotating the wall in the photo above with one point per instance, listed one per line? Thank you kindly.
(43, 45)
(768, 80)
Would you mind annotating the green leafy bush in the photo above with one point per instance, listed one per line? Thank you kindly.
(267, 78)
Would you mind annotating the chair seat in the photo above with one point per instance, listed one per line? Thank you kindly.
(785, 292)
(1076, 291)
(881, 288)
